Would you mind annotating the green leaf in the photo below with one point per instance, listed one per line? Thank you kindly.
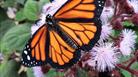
(41, 3)
(135, 66)
(16, 38)
(124, 58)
(9, 3)
(54, 73)
(3, 15)
(5, 26)
(20, 16)
(128, 24)
(116, 33)
(31, 10)
(30, 72)
(21, 1)
(125, 73)
(82, 73)
(10, 69)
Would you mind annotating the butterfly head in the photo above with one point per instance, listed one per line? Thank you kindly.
(48, 16)
(49, 20)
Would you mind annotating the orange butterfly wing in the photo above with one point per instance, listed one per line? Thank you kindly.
(80, 9)
(76, 9)
(34, 53)
(61, 55)
(84, 34)
(80, 20)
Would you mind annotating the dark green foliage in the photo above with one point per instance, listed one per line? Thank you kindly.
(31, 10)
(15, 38)
(54, 73)
(128, 24)
(10, 69)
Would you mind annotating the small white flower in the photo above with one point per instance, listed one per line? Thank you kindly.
(106, 31)
(11, 12)
(104, 56)
(128, 42)
(107, 14)
(34, 28)
(38, 72)
(1, 57)
(134, 3)
(52, 8)
(46, 7)
(38, 23)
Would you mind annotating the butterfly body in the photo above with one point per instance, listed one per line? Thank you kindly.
(60, 40)
(51, 23)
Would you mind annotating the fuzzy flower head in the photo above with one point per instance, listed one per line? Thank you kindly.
(103, 57)
(107, 14)
(106, 31)
(134, 4)
(11, 12)
(38, 71)
(1, 57)
(52, 8)
(128, 42)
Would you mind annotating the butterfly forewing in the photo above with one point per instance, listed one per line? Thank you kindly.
(80, 10)
(34, 53)
(80, 20)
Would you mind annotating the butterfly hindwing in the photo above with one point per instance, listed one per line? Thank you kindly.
(61, 55)
(34, 53)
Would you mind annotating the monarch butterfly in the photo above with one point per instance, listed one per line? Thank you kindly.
(75, 26)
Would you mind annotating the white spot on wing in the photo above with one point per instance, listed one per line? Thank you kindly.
(27, 46)
(28, 57)
(100, 5)
(25, 52)
(25, 63)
